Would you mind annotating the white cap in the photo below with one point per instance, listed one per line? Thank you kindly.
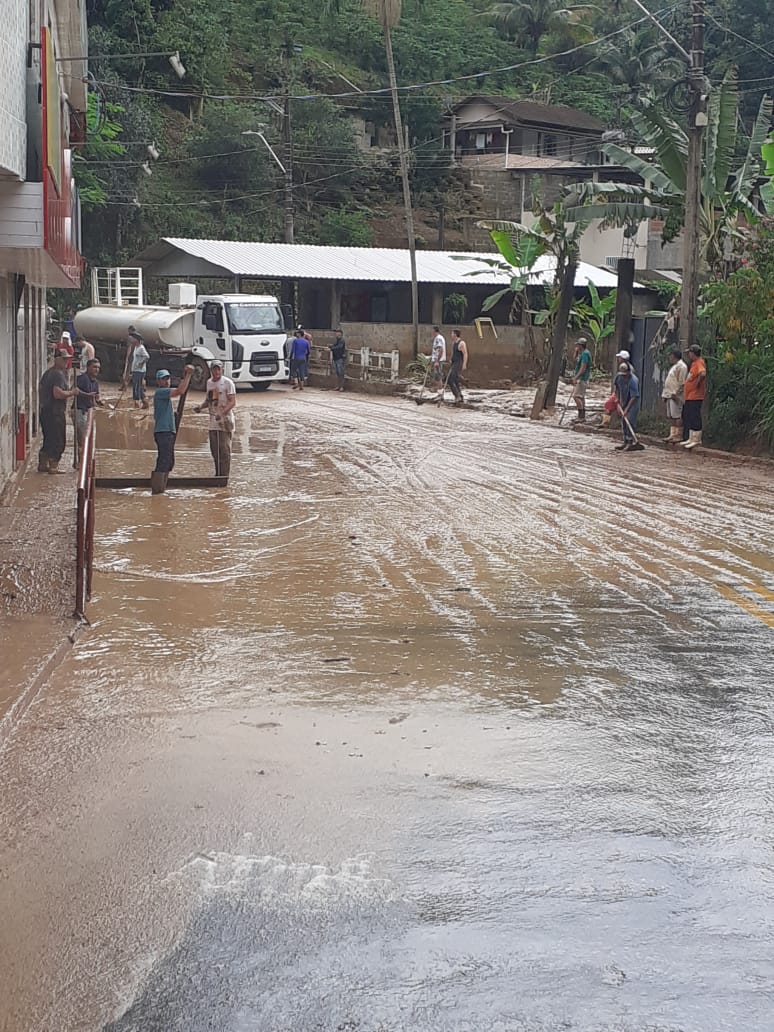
(623, 355)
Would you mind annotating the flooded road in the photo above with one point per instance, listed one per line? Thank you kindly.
(434, 721)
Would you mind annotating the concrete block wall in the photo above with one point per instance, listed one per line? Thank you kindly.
(490, 360)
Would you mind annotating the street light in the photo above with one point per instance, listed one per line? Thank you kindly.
(269, 148)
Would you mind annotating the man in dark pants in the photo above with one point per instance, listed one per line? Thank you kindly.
(339, 358)
(459, 363)
(164, 428)
(88, 397)
(54, 393)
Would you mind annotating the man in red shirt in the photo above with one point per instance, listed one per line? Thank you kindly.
(695, 393)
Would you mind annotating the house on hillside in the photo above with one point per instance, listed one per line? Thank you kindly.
(514, 149)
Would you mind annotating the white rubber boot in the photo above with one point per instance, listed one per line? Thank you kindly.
(694, 440)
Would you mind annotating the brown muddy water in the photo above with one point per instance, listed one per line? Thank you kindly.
(431, 722)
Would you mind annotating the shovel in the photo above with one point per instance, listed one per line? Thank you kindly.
(636, 444)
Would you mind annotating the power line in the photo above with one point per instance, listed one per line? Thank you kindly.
(385, 90)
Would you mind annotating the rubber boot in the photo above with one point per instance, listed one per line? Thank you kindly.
(158, 482)
(675, 434)
(42, 463)
(166, 481)
(694, 440)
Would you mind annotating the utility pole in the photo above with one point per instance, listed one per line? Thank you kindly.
(287, 138)
(697, 121)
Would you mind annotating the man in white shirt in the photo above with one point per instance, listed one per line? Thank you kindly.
(438, 355)
(674, 395)
(221, 399)
(140, 358)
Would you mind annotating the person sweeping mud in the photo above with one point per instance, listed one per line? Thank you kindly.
(164, 428)
(459, 363)
(627, 391)
(221, 399)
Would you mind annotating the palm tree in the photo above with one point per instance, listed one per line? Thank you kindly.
(533, 19)
(387, 13)
(635, 64)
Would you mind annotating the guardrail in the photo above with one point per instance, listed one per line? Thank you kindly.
(362, 363)
(84, 523)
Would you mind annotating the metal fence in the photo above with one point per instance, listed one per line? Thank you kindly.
(362, 363)
(84, 524)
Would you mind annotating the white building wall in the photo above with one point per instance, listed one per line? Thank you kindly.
(13, 96)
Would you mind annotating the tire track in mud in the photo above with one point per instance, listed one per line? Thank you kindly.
(509, 491)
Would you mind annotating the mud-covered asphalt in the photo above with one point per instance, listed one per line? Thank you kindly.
(433, 721)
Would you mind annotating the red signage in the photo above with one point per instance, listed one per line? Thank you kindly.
(61, 213)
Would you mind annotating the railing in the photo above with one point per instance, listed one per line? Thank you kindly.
(362, 363)
(116, 286)
(84, 524)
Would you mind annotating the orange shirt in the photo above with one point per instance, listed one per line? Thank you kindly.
(695, 389)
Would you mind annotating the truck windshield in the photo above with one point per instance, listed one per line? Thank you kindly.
(254, 317)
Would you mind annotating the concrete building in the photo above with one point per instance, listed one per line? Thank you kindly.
(516, 151)
(42, 105)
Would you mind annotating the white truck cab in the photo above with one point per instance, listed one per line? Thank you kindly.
(246, 332)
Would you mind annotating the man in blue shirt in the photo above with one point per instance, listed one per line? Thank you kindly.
(299, 359)
(627, 391)
(164, 426)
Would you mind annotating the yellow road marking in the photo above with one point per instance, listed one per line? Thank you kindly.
(747, 604)
(766, 593)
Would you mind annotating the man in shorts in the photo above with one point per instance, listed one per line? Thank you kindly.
(673, 395)
(581, 376)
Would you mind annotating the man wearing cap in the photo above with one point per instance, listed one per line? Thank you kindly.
(621, 356)
(54, 392)
(221, 399)
(581, 376)
(627, 391)
(673, 395)
(164, 427)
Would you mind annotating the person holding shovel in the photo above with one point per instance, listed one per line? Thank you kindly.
(221, 399)
(164, 426)
(627, 392)
(580, 377)
(459, 363)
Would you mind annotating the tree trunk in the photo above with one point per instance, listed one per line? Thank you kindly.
(404, 174)
(559, 334)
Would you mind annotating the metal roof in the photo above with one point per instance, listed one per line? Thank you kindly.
(219, 258)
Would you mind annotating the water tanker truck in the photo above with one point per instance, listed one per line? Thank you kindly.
(246, 332)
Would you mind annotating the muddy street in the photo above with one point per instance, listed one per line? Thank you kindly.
(433, 721)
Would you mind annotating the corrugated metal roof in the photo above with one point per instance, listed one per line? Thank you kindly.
(359, 264)
(526, 162)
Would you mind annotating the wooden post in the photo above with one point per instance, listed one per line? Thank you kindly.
(623, 306)
(335, 305)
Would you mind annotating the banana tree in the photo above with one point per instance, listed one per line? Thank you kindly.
(596, 316)
(731, 198)
(551, 233)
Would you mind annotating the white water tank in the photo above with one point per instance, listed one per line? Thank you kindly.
(182, 295)
(171, 328)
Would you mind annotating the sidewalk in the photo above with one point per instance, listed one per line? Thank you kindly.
(37, 581)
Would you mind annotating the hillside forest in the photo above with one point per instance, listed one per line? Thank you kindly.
(242, 57)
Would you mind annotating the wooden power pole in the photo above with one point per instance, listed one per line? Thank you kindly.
(697, 121)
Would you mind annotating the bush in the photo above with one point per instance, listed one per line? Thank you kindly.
(741, 404)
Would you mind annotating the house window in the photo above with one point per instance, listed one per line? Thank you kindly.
(549, 145)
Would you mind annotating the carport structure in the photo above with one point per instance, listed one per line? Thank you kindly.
(352, 284)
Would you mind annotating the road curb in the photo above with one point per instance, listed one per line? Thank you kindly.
(32, 689)
(767, 465)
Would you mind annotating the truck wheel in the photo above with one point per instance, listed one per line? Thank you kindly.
(201, 374)
(262, 385)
